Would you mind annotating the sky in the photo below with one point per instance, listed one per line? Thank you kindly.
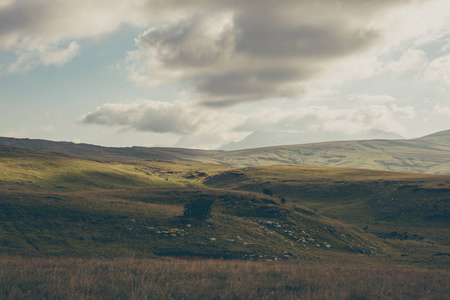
(202, 74)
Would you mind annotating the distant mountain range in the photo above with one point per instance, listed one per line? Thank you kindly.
(428, 154)
(260, 139)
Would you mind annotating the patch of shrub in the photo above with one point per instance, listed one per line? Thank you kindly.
(199, 209)
(267, 192)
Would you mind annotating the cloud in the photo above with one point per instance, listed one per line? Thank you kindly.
(172, 52)
(251, 50)
(28, 27)
(199, 126)
(441, 110)
(439, 70)
(146, 115)
(370, 99)
(193, 125)
(410, 59)
(228, 51)
(31, 55)
(350, 121)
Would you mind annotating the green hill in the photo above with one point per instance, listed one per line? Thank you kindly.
(147, 223)
(388, 204)
(429, 154)
(58, 205)
(29, 170)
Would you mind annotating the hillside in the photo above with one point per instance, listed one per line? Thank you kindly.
(379, 202)
(29, 170)
(59, 205)
(429, 154)
(260, 139)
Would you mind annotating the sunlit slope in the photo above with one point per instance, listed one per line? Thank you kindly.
(430, 154)
(22, 169)
(425, 155)
(384, 202)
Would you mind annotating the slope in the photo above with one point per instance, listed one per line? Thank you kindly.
(28, 170)
(429, 154)
(387, 204)
(58, 205)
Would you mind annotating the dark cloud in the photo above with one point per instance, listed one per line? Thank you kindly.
(271, 38)
(188, 43)
(155, 116)
(236, 51)
(243, 85)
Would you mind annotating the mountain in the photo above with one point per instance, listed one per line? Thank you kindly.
(429, 154)
(260, 139)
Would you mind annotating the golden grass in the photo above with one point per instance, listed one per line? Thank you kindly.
(130, 278)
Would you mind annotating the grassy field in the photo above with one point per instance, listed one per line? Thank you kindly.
(74, 228)
(337, 277)
(147, 223)
(26, 170)
(425, 155)
(382, 203)
(429, 154)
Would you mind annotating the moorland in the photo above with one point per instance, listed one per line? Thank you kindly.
(83, 221)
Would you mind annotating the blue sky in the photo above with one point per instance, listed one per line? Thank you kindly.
(201, 74)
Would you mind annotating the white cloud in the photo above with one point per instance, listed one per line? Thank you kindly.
(441, 110)
(147, 115)
(193, 125)
(204, 127)
(439, 70)
(371, 99)
(360, 118)
(30, 55)
(410, 59)
(169, 53)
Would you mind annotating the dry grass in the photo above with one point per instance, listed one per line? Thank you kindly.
(129, 278)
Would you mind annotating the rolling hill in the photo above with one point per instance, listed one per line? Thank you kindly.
(59, 205)
(429, 154)
(387, 204)
(260, 139)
